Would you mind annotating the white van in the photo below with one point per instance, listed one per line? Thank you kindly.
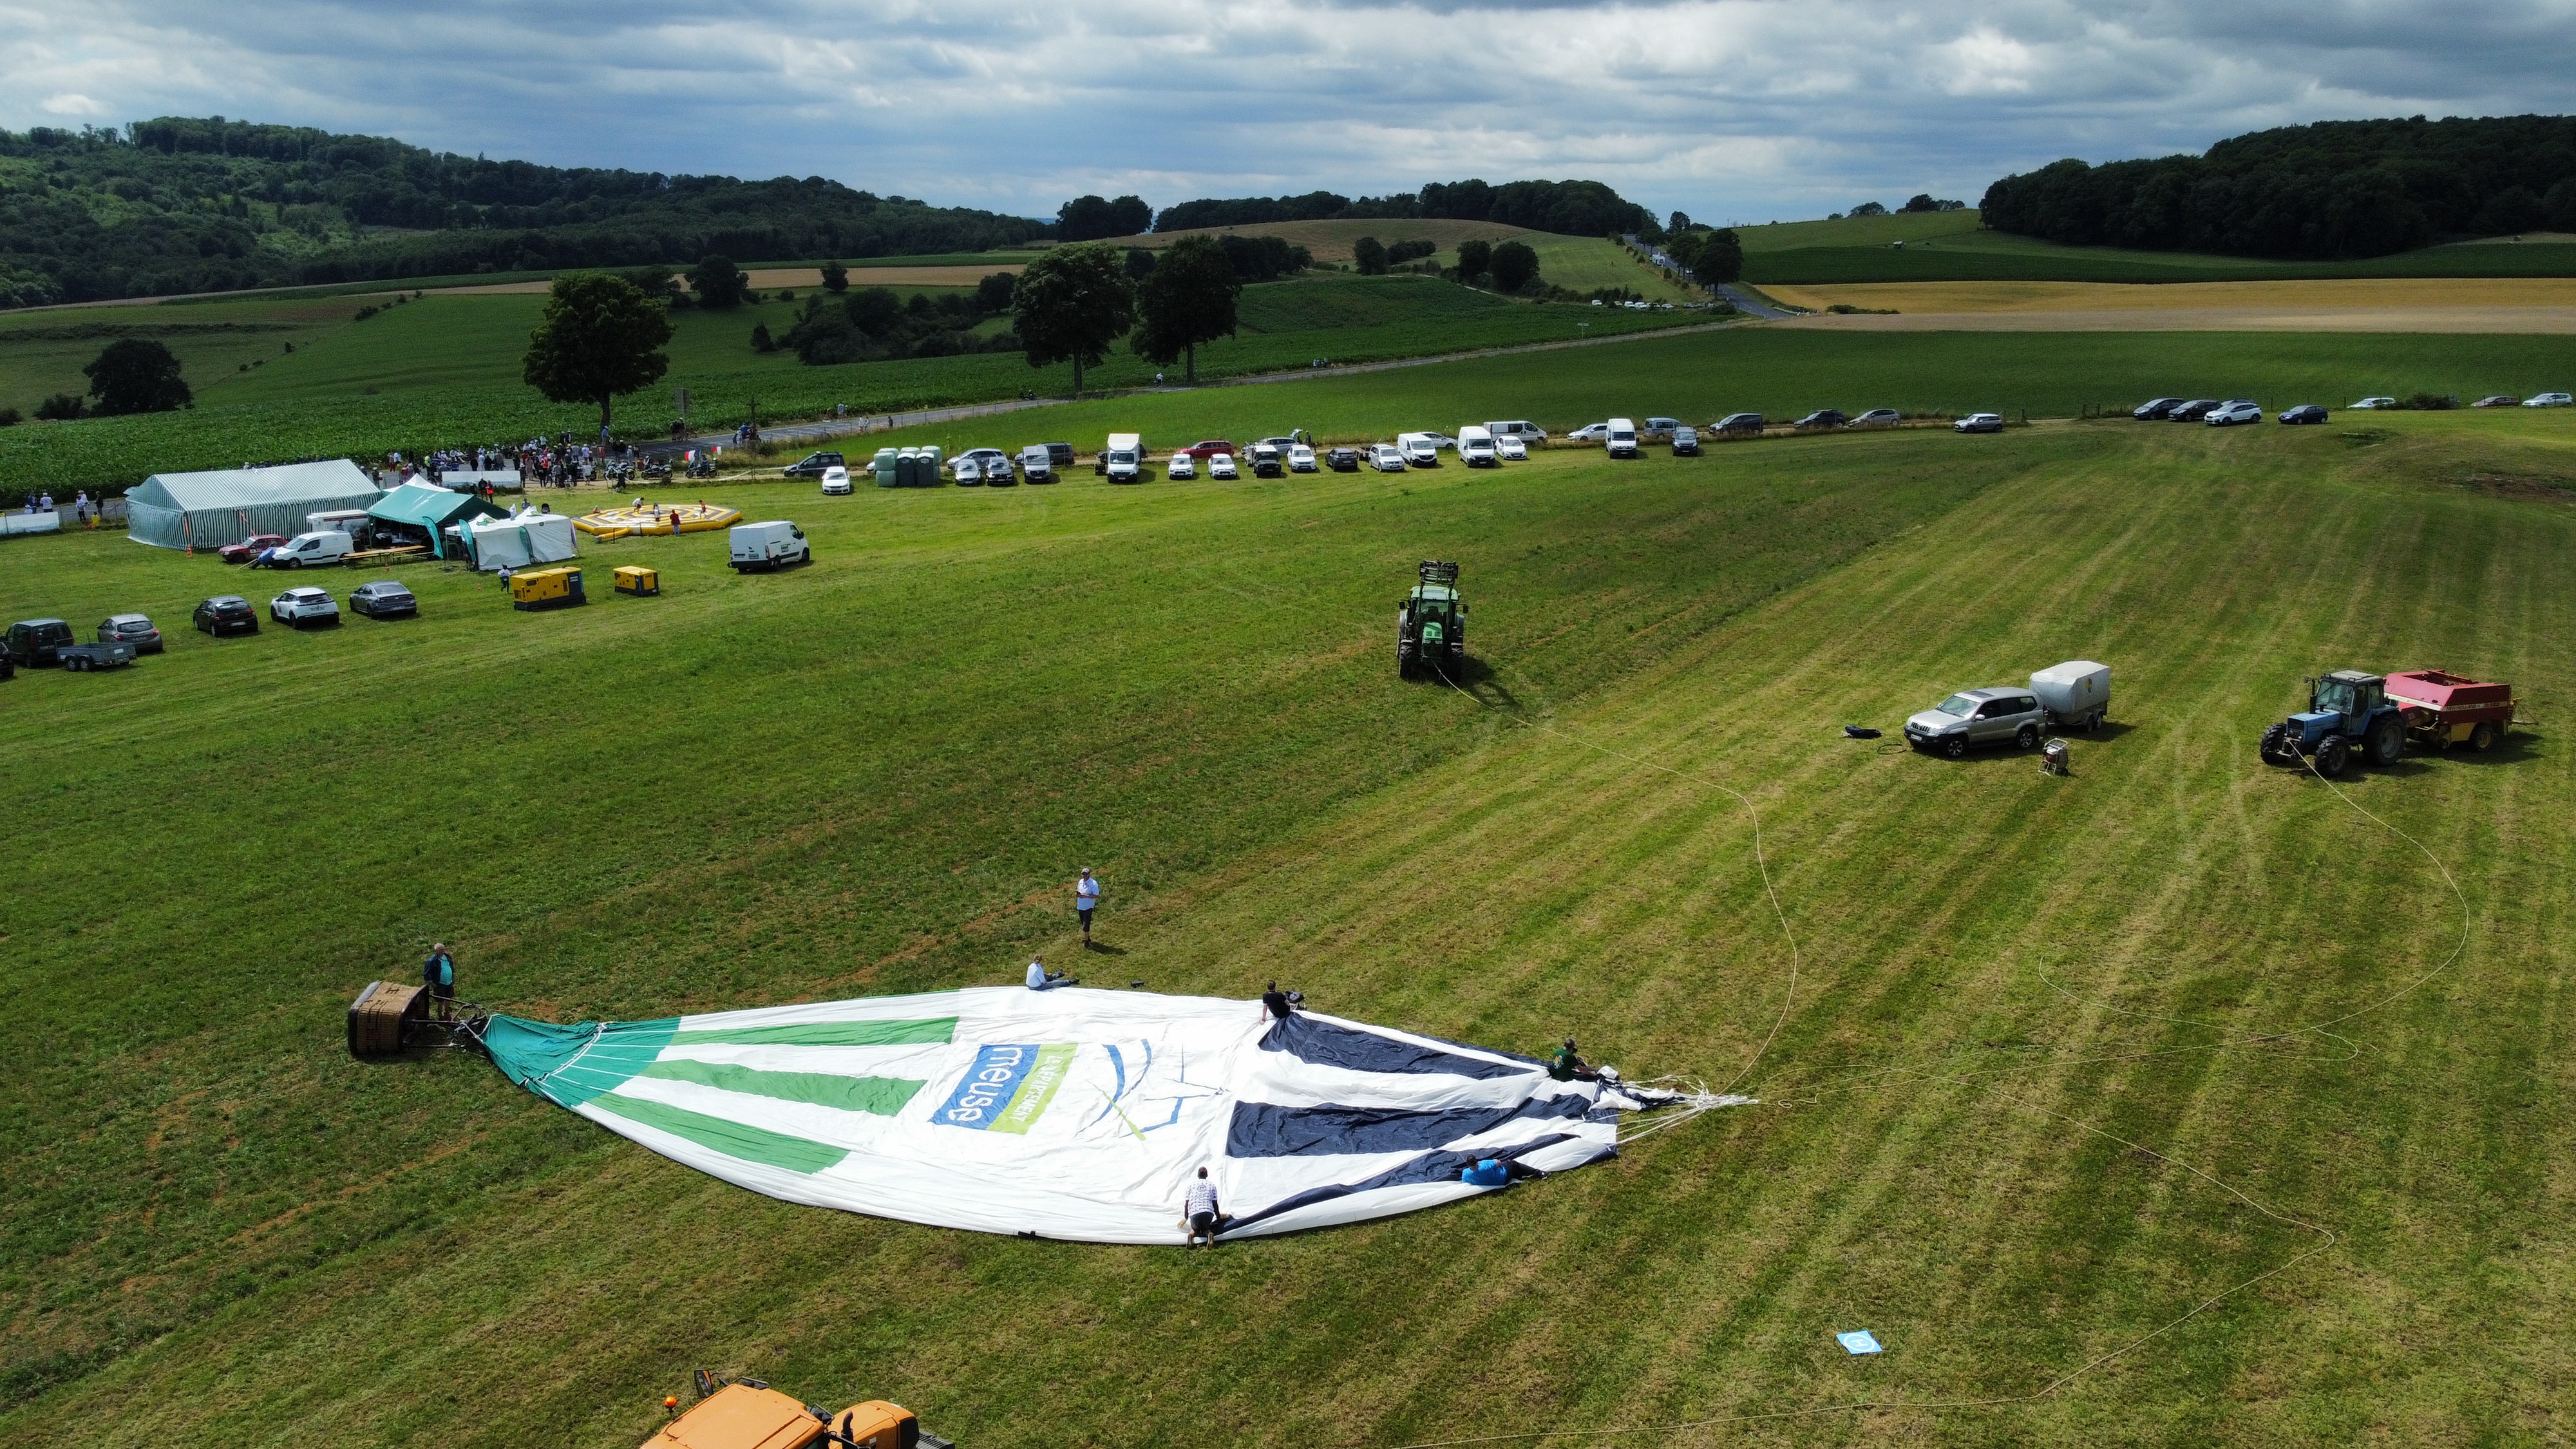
(328, 547)
(1476, 448)
(1123, 461)
(1621, 439)
(1530, 434)
(1420, 450)
(763, 547)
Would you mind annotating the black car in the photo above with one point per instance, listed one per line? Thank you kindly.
(1823, 418)
(2157, 411)
(1685, 442)
(383, 599)
(1343, 460)
(2192, 411)
(1739, 423)
(226, 614)
(2304, 413)
(131, 629)
(1059, 454)
(813, 464)
(37, 643)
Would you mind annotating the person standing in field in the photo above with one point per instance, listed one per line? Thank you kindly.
(1086, 899)
(438, 973)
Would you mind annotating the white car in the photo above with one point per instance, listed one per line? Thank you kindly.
(970, 472)
(836, 481)
(2372, 402)
(299, 607)
(1593, 434)
(1301, 459)
(1221, 465)
(1182, 466)
(2549, 400)
(2228, 414)
(1511, 449)
(1386, 458)
(1979, 423)
(987, 457)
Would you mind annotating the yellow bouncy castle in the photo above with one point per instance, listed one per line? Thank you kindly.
(608, 523)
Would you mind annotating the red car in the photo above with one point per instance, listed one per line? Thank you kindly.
(1209, 449)
(249, 548)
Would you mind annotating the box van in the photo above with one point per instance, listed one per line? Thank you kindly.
(1476, 448)
(1529, 433)
(1123, 461)
(309, 548)
(1621, 439)
(764, 547)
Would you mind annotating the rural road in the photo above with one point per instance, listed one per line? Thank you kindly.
(829, 428)
(1745, 302)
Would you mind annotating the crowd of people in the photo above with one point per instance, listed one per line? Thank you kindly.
(542, 461)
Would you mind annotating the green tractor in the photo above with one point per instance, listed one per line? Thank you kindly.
(1431, 624)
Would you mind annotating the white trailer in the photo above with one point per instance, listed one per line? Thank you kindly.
(2076, 694)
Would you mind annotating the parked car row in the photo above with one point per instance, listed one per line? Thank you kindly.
(2220, 413)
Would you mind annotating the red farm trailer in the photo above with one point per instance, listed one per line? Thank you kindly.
(2443, 709)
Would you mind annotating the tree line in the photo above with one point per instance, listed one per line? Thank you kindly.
(2332, 190)
(216, 205)
(1568, 208)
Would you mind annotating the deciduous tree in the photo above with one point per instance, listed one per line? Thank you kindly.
(1188, 298)
(1515, 265)
(600, 336)
(136, 375)
(1071, 304)
(718, 282)
(1369, 255)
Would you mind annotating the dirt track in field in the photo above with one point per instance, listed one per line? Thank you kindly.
(2478, 304)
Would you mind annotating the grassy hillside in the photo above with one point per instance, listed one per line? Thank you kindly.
(866, 777)
(1330, 241)
(1949, 247)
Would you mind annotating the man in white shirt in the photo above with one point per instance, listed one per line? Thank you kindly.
(1086, 899)
(1041, 979)
(1202, 1210)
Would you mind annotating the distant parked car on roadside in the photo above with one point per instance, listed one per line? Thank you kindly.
(1387, 458)
(299, 607)
(836, 482)
(1656, 428)
(1979, 423)
(1301, 458)
(2499, 400)
(2192, 411)
(1183, 467)
(1209, 448)
(2155, 411)
(2229, 414)
(1822, 418)
(1511, 448)
(1595, 433)
(1738, 423)
(1221, 465)
(225, 614)
(131, 629)
(813, 464)
(2549, 400)
(383, 599)
(1878, 418)
(1685, 442)
(1342, 460)
(2304, 413)
(249, 548)
(969, 472)
(2368, 403)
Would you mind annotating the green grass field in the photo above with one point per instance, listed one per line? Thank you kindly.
(1950, 247)
(877, 775)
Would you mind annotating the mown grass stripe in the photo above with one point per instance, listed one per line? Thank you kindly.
(826, 1033)
(879, 1096)
(733, 1139)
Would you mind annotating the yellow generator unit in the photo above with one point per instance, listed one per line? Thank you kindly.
(751, 1415)
(546, 589)
(638, 580)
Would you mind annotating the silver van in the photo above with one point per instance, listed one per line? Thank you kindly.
(1974, 718)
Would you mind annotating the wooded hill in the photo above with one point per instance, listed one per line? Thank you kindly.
(187, 205)
(2331, 190)
(1568, 208)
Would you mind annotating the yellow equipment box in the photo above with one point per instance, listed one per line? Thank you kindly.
(638, 580)
(546, 589)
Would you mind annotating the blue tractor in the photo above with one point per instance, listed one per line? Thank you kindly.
(2347, 711)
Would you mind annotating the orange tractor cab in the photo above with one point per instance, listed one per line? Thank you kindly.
(749, 1414)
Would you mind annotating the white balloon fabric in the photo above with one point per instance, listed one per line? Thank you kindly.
(1071, 1113)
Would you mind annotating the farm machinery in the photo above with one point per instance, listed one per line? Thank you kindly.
(1431, 623)
(2351, 713)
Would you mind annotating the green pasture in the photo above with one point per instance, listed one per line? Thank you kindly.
(2060, 1060)
(1950, 247)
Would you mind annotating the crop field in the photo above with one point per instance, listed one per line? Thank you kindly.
(2348, 294)
(1948, 247)
(2178, 1102)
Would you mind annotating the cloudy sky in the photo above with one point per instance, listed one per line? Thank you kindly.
(1741, 110)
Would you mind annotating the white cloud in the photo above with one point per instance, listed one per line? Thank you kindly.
(1745, 108)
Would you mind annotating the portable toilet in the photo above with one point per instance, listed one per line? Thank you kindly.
(637, 580)
(884, 467)
(932, 460)
(908, 468)
(546, 589)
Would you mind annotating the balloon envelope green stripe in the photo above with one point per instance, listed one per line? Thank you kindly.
(882, 1096)
(733, 1139)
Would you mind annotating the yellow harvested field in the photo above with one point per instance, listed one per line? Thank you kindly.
(2372, 293)
(1330, 241)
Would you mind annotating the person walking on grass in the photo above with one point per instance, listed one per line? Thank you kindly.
(1086, 899)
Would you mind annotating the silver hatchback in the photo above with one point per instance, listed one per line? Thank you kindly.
(1977, 717)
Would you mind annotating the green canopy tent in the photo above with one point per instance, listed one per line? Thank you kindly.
(423, 512)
